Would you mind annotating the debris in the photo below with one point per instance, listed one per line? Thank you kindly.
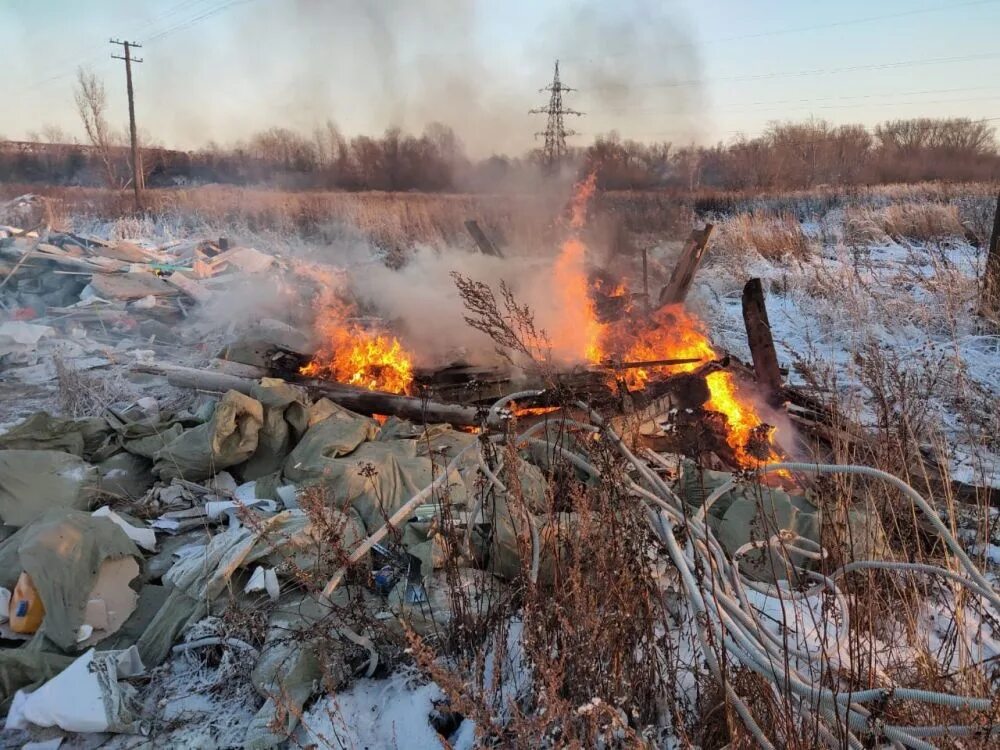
(486, 246)
(63, 552)
(25, 611)
(18, 337)
(765, 359)
(87, 696)
(130, 286)
(264, 579)
(676, 289)
(227, 439)
(145, 538)
(191, 288)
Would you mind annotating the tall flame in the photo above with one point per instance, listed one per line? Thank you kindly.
(350, 354)
(576, 329)
(673, 333)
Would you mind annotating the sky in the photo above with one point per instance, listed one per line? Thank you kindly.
(684, 71)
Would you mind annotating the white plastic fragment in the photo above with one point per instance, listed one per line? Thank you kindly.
(264, 579)
(52, 744)
(84, 697)
(145, 538)
(4, 604)
(215, 508)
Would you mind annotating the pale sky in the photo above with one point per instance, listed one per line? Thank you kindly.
(687, 70)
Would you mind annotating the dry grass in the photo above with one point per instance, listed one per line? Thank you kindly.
(89, 395)
(916, 222)
(520, 223)
(776, 238)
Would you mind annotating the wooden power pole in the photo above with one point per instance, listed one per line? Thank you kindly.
(989, 306)
(137, 179)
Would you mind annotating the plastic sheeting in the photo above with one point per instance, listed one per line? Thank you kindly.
(229, 438)
(63, 553)
(90, 438)
(33, 482)
(285, 420)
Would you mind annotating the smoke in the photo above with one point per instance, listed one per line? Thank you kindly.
(639, 72)
(423, 306)
(372, 64)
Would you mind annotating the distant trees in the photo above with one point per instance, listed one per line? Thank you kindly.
(790, 155)
(803, 155)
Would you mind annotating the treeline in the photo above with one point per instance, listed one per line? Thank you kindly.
(786, 156)
(804, 155)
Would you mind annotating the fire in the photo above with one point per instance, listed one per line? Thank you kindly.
(673, 333)
(577, 329)
(349, 352)
(352, 355)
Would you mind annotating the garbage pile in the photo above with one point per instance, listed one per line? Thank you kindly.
(128, 534)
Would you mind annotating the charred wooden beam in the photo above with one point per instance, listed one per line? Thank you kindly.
(676, 290)
(486, 246)
(765, 358)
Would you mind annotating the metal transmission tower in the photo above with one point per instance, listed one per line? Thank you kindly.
(555, 131)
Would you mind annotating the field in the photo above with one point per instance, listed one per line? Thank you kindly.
(872, 297)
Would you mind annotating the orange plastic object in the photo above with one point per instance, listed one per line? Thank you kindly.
(26, 608)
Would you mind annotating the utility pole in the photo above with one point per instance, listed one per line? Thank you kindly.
(555, 131)
(137, 180)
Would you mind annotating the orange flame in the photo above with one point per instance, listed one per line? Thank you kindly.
(349, 352)
(674, 334)
(576, 331)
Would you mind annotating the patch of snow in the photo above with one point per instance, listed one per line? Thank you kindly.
(391, 713)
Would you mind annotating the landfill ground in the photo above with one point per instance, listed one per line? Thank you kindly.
(218, 553)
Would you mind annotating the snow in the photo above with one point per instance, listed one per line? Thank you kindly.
(371, 714)
(904, 311)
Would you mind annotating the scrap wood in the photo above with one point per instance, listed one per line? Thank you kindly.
(765, 358)
(356, 399)
(485, 244)
(191, 288)
(676, 289)
(19, 263)
(128, 286)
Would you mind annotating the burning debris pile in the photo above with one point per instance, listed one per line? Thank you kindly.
(292, 504)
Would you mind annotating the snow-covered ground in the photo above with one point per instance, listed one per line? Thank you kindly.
(884, 325)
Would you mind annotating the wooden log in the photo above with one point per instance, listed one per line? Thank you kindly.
(989, 306)
(350, 397)
(765, 358)
(486, 246)
(676, 289)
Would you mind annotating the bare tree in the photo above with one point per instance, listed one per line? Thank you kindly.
(55, 134)
(92, 103)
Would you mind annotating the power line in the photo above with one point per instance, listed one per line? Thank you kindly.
(807, 100)
(197, 19)
(814, 27)
(810, 72)
(202, 14)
